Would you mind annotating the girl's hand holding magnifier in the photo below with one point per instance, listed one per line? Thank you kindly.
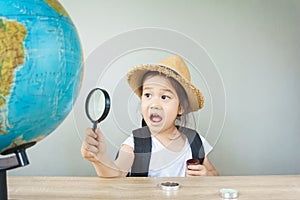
(97, 107)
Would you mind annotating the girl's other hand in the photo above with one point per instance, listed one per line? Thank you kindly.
(196, 170)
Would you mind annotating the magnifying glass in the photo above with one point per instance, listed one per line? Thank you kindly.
(97, 105)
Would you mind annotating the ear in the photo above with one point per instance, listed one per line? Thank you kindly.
(180, 110)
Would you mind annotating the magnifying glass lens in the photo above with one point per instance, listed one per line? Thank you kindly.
(96, 105)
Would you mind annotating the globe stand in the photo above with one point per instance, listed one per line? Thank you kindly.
(18, 160)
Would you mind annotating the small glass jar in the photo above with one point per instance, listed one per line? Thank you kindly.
(192, 161)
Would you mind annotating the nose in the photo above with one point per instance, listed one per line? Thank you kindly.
(155, 106)
(155, 103)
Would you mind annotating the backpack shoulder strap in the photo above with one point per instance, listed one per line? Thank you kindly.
(195, 143)
(142, 152)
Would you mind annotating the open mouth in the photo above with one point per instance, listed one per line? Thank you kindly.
(155, 118)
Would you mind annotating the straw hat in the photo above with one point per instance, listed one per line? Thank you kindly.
(174, 67)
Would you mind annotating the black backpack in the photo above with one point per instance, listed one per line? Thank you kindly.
(143, 148)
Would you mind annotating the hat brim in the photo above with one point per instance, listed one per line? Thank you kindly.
(135, 75)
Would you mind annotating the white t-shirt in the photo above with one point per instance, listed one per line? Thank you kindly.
(167, 163)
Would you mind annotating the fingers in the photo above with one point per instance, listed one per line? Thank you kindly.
(91, 133)
(88, 151)
(91, 141)
(91, 138)
(93, 146)
(88, 155)
(90, 145)
(99, 135)
(196, 170)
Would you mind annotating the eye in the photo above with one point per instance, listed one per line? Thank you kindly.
(147, 95)
(164, 97)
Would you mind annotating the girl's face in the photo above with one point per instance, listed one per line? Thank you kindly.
(160, 103)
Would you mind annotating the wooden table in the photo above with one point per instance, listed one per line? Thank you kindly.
(249, 187)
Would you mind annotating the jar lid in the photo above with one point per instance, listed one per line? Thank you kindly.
(169, 185)
(228, 193)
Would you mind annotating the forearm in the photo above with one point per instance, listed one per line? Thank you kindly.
(106, 168)
(212, 173)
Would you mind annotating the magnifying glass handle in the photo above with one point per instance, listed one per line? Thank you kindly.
(94, 126)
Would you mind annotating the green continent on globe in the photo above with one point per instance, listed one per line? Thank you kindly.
(12, 35)
(56, 6)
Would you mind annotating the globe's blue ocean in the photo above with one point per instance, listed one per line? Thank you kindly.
(46, 85)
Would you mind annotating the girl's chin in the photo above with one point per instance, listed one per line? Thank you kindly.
(155, 127)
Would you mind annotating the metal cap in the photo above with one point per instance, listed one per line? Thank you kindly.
(227, 193)
(169, 186)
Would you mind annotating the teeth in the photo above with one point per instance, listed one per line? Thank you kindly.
(154, 115)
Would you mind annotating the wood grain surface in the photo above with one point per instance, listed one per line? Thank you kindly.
(249, 187)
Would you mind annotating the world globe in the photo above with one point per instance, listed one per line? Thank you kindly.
(40, 70)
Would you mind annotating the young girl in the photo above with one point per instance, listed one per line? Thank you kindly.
(162, 147)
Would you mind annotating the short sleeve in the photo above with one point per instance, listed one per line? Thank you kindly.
(129, 141)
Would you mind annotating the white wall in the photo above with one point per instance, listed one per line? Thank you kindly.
(252, 46)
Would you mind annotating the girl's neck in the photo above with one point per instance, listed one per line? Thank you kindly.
(170, 133)
(171, 139)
